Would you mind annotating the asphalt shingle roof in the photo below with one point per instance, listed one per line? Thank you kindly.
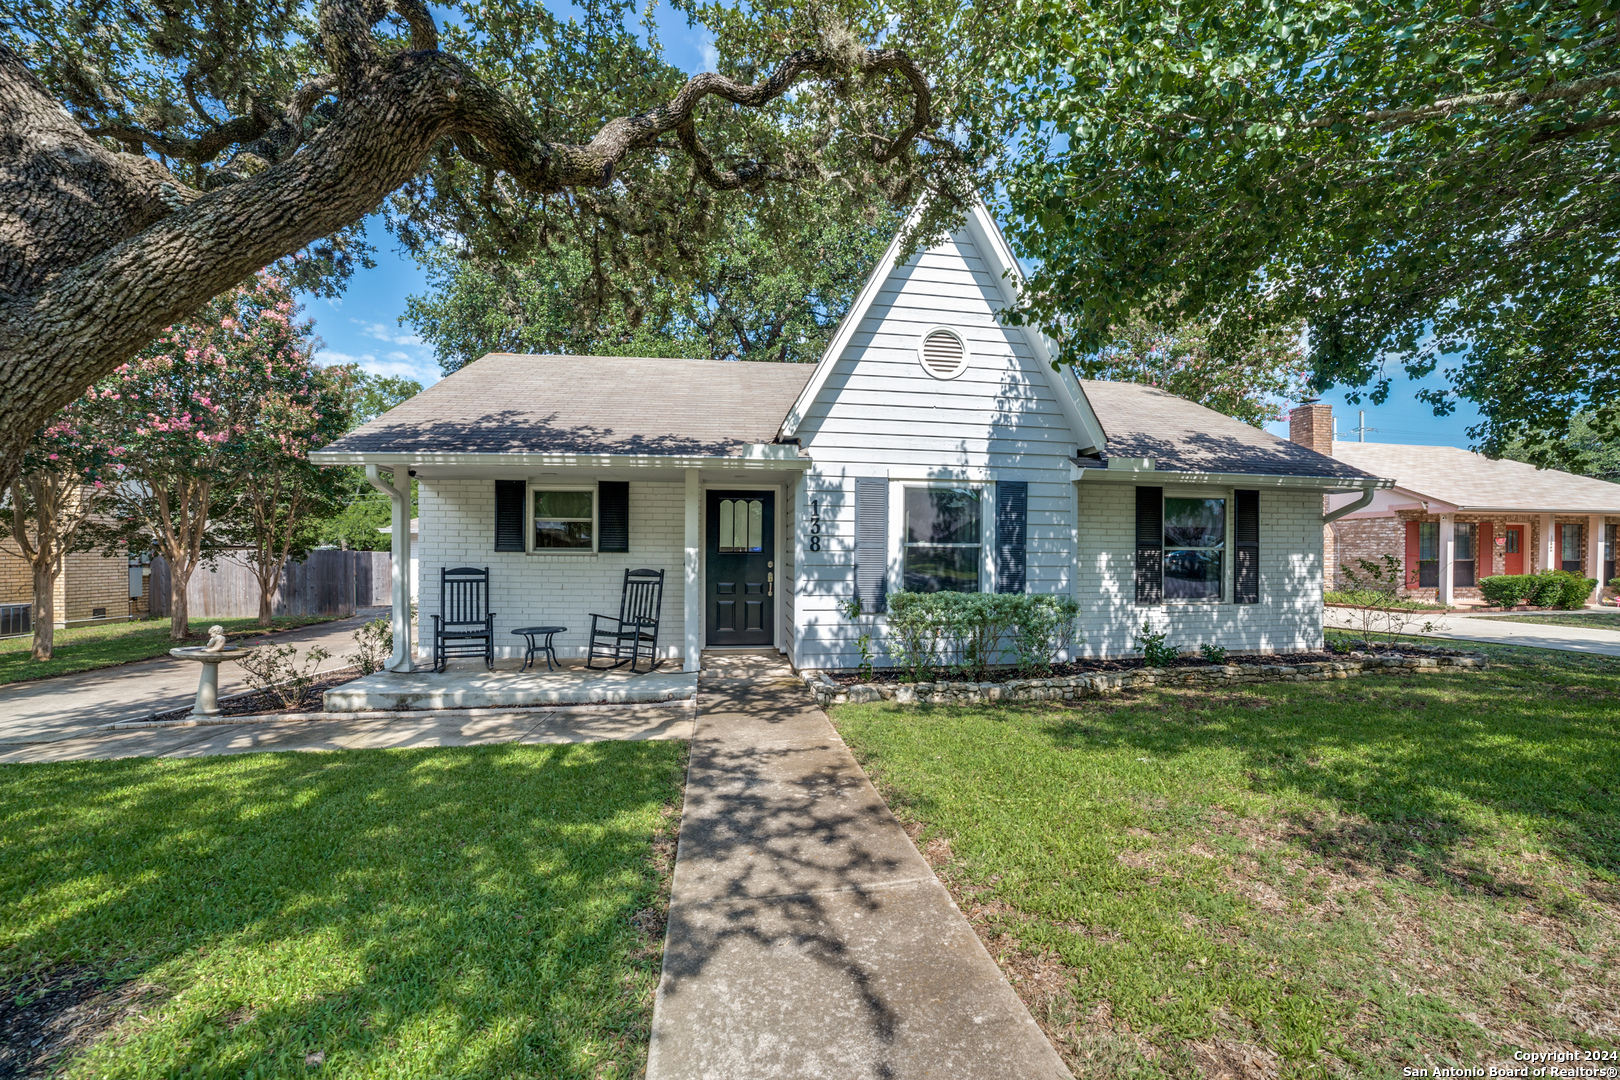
(1466, 479)
(1144, 421)
(511, 403)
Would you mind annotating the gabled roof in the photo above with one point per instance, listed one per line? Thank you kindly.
(523, 404)
(1003, 267)
(1183, 436)
(1470, 481)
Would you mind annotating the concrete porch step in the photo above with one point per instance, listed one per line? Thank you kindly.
(477, 688)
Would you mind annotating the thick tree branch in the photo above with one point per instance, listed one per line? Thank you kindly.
(87, 281)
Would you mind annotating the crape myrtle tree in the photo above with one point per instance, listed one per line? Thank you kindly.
(278, 496)
(187, 411)
(59, 491)
(154, 155)
(1426, 185)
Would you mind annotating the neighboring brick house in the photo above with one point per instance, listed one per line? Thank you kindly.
(1454, 516)
(90, 588)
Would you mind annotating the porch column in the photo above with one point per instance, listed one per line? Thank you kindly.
(1446, 591)
(1594, 554)
(399, 504)
(1548, 548)
(693, 649)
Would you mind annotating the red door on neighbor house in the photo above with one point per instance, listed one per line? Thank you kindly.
(1513, 550)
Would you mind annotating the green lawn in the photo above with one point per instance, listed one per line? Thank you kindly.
(483, 912)
(1601, 620)
(1332, 879)
(82, 648)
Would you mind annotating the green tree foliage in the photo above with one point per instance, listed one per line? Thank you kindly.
(1596, 455)
(360, 509)
(744, 299)
(1418, 182)
(1250, 380)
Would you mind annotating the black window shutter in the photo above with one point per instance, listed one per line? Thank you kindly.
(872, 543)
(1012, 517)
(509, 496)
(1149, 545)
(1246, 557)
(613, 515)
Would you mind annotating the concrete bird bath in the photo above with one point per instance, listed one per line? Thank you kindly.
(210, 656)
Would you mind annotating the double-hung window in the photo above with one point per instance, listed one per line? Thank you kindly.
(562, 519)
(1569, 548)
(944, 539)
(1194, 548)
(1428, 554)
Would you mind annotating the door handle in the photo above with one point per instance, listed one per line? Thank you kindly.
(770, 584)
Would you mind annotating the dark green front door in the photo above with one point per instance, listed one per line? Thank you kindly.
(741, 568)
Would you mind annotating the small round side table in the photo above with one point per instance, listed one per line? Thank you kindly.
(530, 633)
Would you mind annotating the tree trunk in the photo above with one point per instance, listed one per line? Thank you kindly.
(179, 616)
(266, 588)
(45, 609)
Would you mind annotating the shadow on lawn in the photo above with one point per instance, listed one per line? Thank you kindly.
(468, 912)
(1406, 763)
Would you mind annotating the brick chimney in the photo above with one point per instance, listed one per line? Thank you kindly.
(1311, 424)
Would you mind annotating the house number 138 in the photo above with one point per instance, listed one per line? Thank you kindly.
(815, 524)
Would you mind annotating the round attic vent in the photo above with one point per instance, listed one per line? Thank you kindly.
(943, 354)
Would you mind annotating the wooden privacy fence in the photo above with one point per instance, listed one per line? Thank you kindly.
(326, 582)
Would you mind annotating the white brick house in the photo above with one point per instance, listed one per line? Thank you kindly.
(932, 447)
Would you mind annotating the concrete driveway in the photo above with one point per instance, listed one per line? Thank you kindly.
(67, 706)
(1499, 631)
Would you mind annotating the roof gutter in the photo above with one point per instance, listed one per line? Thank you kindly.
(1328, 485)
(1349, 508)
(756, 456)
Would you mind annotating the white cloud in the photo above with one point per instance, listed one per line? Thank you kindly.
(709, 54)
(395, 364)
(388, 334)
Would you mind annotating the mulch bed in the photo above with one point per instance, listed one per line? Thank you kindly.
(47, 1015)
(1103, 667)
(262, 703)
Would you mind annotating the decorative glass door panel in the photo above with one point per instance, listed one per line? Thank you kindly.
(740, 568)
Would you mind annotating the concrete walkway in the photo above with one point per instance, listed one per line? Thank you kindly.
(634, 723)
(66, 706)
(1499, 631)
(807, 936)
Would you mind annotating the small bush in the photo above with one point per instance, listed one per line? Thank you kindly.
(1212, 653)
(1543, 589)
(1505, 590)
(1154, 651)
(971, 632)
(374, 644)
(1573, 590)
(274, 670)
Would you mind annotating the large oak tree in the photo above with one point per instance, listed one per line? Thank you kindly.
(156, 154)
(1426, 184)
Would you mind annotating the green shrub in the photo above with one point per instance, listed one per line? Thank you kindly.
(1543, 589)
(1212, 653)
(1154, 651)
(1574, 590)
(971, 632)
(1504, 590)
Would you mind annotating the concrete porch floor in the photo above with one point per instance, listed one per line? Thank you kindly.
(468, 685)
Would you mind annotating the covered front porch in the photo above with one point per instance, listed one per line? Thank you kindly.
(557, 533)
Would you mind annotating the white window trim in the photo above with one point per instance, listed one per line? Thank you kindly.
(1228, 559)
(528, 521)
(967, 353)
(897, 527)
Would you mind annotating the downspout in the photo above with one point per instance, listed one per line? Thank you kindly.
(1350, 508)
(400, 547)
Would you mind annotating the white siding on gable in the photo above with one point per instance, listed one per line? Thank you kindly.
(458, 529)
(1288, 617)
(881, 414)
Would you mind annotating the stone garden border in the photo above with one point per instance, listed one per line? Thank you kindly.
(1071, 687)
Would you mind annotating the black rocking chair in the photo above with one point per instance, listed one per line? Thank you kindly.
(464, 626)
(633, 636)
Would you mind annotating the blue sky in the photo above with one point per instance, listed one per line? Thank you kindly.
(363, 324)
